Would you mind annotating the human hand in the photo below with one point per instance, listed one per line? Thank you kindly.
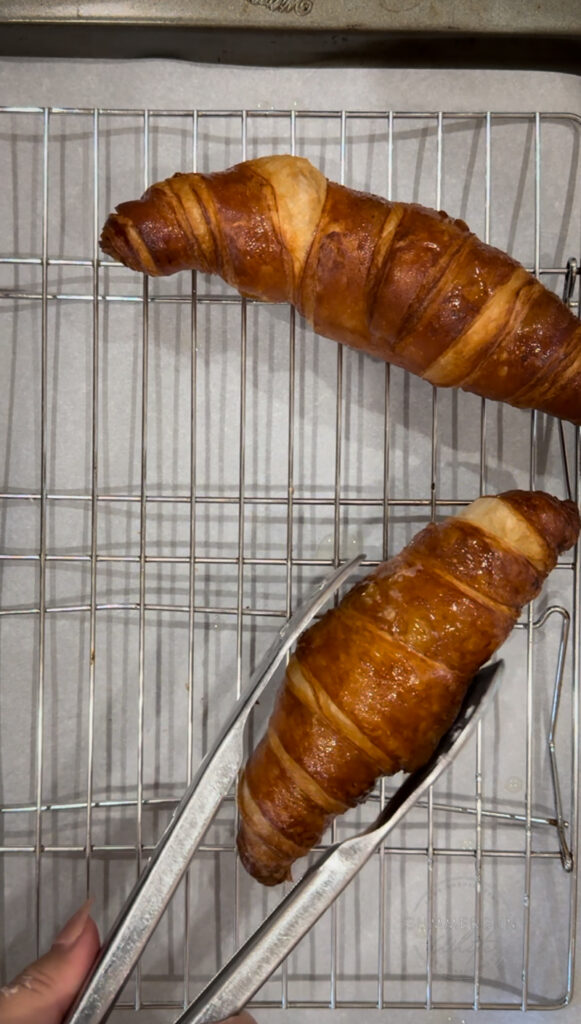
(43, 992)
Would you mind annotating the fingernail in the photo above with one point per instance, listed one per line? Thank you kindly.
(74, 927)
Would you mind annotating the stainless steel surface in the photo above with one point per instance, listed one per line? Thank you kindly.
(211, 784)
(417, 33)
(230, 991)
(499, 16)
(131, 529)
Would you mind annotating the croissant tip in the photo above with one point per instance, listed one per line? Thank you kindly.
(114, 243)
(265, 875)
(571, 510)
(109, 240)
(259, 860)
(557, 519)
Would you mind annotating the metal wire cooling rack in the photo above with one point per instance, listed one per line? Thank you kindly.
(178, 467)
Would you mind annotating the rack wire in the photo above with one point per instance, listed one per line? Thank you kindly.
(178, 466)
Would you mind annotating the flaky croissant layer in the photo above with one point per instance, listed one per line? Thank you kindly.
(402, 282)
(377, 681)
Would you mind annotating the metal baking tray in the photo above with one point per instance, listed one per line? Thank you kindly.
(179, 466)
(409, 33)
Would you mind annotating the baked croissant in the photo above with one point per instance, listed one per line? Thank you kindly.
(377, 681)
(404, 283)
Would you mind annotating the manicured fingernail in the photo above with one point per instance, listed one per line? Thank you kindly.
(74, 927)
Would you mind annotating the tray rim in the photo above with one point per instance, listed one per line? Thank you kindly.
(517, 35)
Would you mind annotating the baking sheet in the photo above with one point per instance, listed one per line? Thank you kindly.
(220, 657)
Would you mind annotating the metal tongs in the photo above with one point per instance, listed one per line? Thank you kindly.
(253, 963)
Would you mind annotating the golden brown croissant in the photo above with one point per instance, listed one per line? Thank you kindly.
(404, 283)
(377, 681)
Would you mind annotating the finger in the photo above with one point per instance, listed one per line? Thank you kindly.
(45, 990)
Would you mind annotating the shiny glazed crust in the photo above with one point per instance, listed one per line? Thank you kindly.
(376, 682)
(407, 284)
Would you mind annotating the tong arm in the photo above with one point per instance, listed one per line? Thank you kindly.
(233, 987)
(173, 853)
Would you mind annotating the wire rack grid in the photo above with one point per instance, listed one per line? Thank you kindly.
(179, 465)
